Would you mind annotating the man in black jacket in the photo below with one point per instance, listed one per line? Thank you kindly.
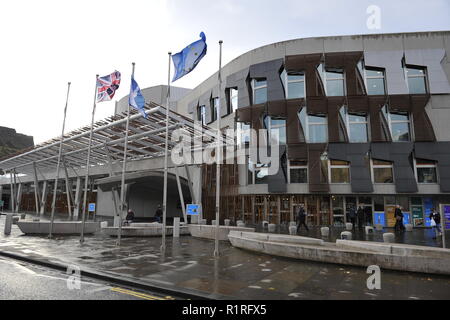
(360, 214)
(158, 214)
(398, 219)
(437, 220)
(301, 218)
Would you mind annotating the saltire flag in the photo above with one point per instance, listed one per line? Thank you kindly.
(107, 86)
(186, 60)
(136, 99)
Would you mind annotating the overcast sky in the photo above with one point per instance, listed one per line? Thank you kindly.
(46, 43)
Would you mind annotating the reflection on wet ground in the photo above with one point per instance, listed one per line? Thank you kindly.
(188, 263)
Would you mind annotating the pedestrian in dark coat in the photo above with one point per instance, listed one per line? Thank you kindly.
(360, 214)
(158, 214)
(301, 218)
(352, 216)
(398, 214)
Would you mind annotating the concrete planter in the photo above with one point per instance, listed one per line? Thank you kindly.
(347, 252)
(227, 222)
(133, 231)
(272, 227)
(388, 237)
(369, 230)
(292, 230)
(325, 231)
(346, 235)
(348, 226)
(409, 227)
(209, 231)
(59, 227)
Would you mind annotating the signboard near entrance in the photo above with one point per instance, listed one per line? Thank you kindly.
(91, 207)
(390, 211)
(193, 209)
(417, 215)
(446, 215)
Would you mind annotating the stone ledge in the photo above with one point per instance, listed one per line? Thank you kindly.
(339, 254)
(209, 231)
(59, 227)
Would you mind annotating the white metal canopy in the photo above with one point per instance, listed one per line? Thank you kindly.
(146, 139)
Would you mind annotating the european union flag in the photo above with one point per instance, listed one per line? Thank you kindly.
(135, 99)
(186, 60)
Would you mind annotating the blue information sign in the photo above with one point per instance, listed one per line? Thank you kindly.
(193, 209)
(91, 207)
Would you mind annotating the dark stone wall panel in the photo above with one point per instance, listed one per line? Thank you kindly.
(294, 131)
(440, 152)
(376, 103)
(270, 70)
(277, 183)
(307, 63)
(238, 81)
(354, 153)
(334, 104)
(423, 128)
(399, 153)
(315, 174)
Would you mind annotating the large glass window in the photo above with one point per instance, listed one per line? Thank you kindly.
(399, 125)
(375, 81)
(426, 171)
(294, 84)
(356, 125)
(201, 114)
(339, 171)
(417, 80)
(298, 172)
(273, 125)
(315, 127)
(243, 133)
(382, 171)
(259, 91)
(233, 100)
(214, 104)
(337, 205)
(333, 79)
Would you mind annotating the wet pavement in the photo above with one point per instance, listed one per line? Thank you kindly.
(188, 263)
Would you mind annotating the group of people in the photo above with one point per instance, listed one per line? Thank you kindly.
(362, 215)
(130, 215)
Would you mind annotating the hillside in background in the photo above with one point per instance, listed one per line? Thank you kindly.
(11, 141)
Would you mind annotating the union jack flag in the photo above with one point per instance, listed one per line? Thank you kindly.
(107, 86)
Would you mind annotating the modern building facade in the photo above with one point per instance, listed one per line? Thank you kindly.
(362, 120)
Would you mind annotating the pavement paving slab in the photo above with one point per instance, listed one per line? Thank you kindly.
(188, 264)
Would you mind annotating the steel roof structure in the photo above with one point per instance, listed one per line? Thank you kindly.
(146, 139)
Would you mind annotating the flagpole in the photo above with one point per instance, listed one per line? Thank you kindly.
(86, 178)
(163, 245)
(52, 218)
(218, 152)
(123, 207)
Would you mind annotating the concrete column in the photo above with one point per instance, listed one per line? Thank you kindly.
(68, 191)
(176, 227)
(77, 199)
(44, 196)
(12, 194)
(1, 193)
(180, 193)
(36, 189)
(19, 197)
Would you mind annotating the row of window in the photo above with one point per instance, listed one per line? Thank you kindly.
(354, 126)
(337, 171)
(334, 83)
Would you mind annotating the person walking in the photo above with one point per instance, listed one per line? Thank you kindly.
(158, 214)
(398, 214)
(368, 214)
(130, 217)
(360, 214)
(301, 218)
(435, 218)
(352, 216)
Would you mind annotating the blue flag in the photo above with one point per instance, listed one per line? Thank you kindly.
(186, 60)
(135, 99)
